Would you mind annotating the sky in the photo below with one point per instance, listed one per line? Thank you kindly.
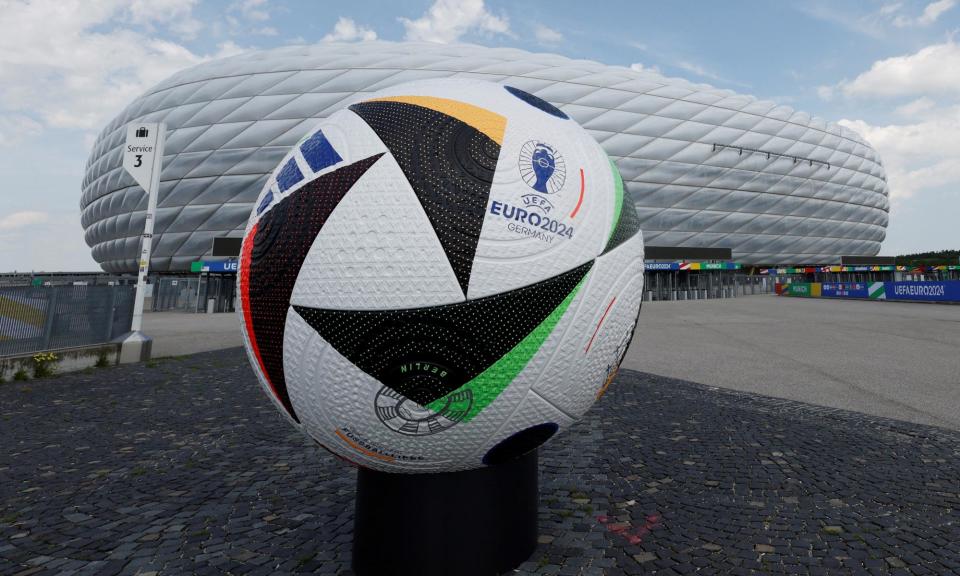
(888, 69)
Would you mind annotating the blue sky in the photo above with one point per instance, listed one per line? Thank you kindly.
(890, 70)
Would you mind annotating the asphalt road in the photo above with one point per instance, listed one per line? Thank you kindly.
(181, 333)
(898, 360)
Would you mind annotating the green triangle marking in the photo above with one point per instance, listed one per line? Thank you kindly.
(618, 197)
(487, 385)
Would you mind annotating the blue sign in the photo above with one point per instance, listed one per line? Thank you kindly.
(226, 266)
(661, 265)
(843, 290)
(948, 291)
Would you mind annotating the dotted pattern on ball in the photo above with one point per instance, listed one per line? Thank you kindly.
(627, 227)
(450, 166)
(280, 244)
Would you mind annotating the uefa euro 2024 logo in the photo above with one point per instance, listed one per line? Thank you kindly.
(543, 169)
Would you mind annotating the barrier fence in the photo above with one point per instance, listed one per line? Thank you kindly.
(674, 286)
(946, 291)
(38, 318)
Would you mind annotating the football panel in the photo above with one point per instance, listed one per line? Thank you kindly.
(450, 165)
(428, 353)
(377, 250)
(597, 332)
(352, 414)
(274, 250)
(550, 205)
(337, 141)
(529, 422)
(626, 222)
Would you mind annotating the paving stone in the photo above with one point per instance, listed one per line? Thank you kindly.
(186, 468)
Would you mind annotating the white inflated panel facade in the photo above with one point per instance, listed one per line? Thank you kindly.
(706, 167)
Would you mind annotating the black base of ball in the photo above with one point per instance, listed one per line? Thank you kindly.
(475, 523)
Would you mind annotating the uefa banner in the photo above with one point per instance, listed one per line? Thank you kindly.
(948, 291)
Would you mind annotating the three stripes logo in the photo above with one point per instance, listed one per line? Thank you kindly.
(876, 291)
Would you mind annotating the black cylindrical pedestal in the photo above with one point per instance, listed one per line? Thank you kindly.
(476, 523)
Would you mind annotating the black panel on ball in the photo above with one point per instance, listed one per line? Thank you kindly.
(475, 523)
(281, 241)
(450, 166)
(426, 353)
(627, 226)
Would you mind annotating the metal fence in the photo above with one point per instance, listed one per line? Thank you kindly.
(37, 318)
(705, 286)
(203, 293)
(175, 293)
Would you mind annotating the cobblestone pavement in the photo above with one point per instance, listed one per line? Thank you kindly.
(181, 466)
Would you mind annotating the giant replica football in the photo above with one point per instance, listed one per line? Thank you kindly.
(440, 277)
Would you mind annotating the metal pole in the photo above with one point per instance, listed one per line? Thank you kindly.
(146, 241)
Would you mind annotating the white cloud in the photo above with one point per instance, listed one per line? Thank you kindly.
(825, 92)
(917, 156)
(642, 68)
(177, 15)
(931, 13)
(14, 128)
(447, 20)
(891, 8)
(922, 154)
(18, 220)
(75, 64)
(266, 31)
(916, 108)
(253, 10)
(546, 35)
(45, 241)
(933, 69)
(699, 70)
(346, 30)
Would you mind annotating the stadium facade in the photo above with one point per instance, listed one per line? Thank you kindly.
(706, 167)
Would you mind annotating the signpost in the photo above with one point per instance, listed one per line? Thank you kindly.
(143, 159)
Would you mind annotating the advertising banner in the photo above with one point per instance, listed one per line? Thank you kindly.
(844, 290)
(226, 266)
(655, 266)
(948, 291)
(803, 289)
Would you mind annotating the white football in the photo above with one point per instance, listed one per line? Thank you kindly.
(440, 277)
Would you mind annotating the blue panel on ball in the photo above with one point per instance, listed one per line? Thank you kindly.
(318, 152)
(289, 175)
(537, 102)
(265, 202)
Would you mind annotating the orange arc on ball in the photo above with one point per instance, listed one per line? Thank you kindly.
(579, 200)
(487, 122)
(361, 449)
